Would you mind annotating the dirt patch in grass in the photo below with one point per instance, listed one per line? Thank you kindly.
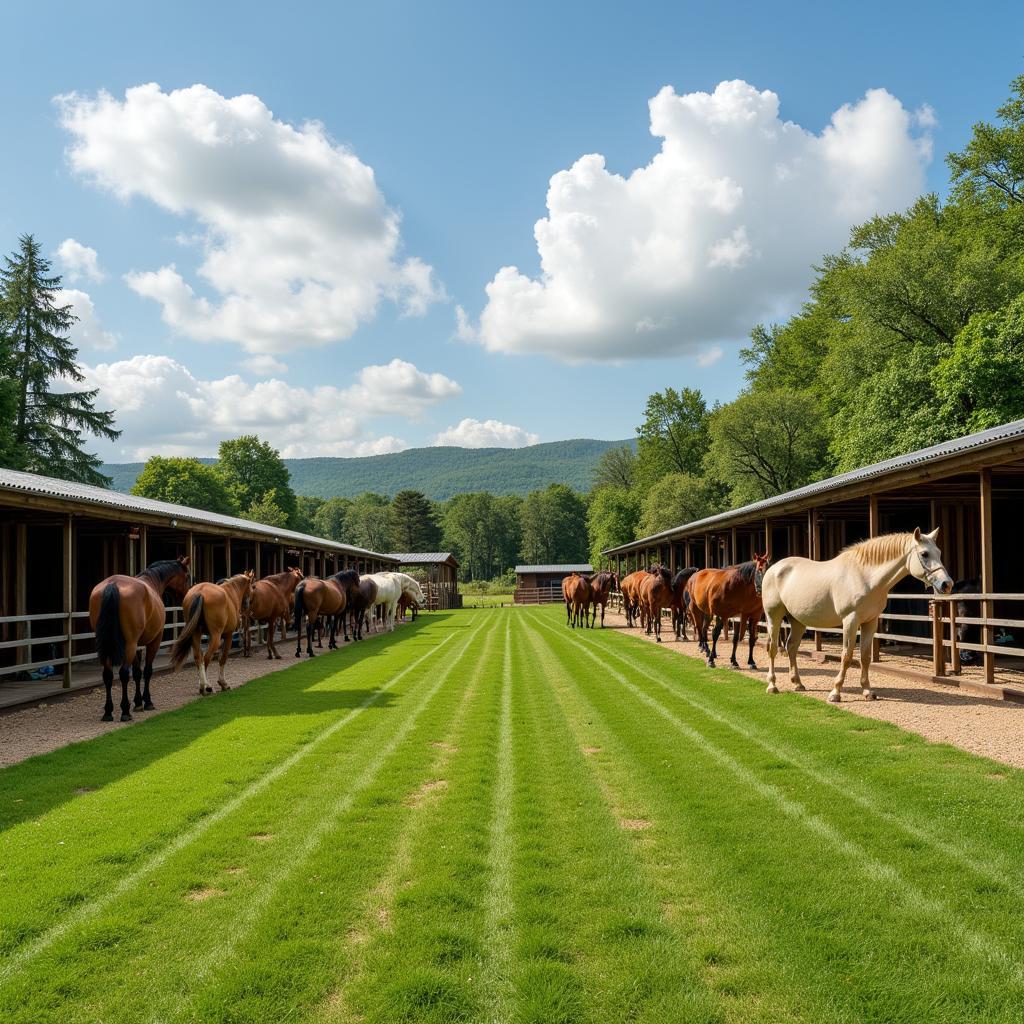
(261, 837)
(997, 776)
(448, 748)
(85, 789)
(590, 751)
(635, 824)
(235, 871)
(421, 795)
(202, 895)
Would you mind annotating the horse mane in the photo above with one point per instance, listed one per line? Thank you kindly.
(683, 575)
(745, 571)
(879, 550)
(163, 570)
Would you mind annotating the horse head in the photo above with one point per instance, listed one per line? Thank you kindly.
(924, 561)
(181, 580)
(761, 563)
(413, 590)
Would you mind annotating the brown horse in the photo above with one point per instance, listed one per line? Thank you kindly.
(655, 594)
(270, 602)
(127, 614)
(576, 590)
(723, 593)
(361, 604)
(600, 590)
(405, 602)
(680, 611)
(323, 597)
(630, 589)
(214, 609)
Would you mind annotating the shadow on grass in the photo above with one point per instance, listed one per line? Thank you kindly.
(39, 784)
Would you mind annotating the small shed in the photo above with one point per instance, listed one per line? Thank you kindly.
(438, 571)
(541, 584)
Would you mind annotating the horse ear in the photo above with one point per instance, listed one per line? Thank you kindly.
(185, 559)
(934, 535)
(917, 533)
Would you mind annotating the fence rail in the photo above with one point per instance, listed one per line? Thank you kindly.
(537, 595)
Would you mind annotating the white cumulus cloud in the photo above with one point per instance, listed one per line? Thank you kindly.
(716, 233)
(79, 262)
(470, 433)
(164, 409)
(298, 244)
(87, 332)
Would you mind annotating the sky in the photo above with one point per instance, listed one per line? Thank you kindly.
(356, 229)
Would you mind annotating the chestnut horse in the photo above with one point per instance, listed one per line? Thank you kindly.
(680, 604)
(323, 597)
(655, 594)
(576, 590)
(127, 614)
(629, 586)
(215, 609)
(600, 590)
(723, 593)
(269, 602)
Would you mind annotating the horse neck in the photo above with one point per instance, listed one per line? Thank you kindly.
(235, 586)
(153, 579)
(886, 575)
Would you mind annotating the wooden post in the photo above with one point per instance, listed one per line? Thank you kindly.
(768, 537)
(21, 582)
(144, 545)
(68, 598)
(814, 546)
(259, 560)
(707, 550)
(938, 655)
(954, 651)
(733, 556)
(876, 644)
(227, 556)
(987, 572)
(190, 550)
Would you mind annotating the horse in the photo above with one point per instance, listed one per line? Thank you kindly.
(655, 594)
(723, 593)
(576, 589)
(269, 602)
(967, 632)
(127, 614)
(360, 604)
(630, 589)
(849, 590)
(215, 609)
(680, 602)
(405, 603)
(600, 590)
(412, 593)
(389, 589)
(323, 597)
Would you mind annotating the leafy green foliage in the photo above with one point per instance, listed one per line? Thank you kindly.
(265, 509)
(330, 518)
(252, 468)
(680, 498)
(617, 467)
(185, 482)
(612, 519)
(554, 526)
(307, 506)
(483, 531)
(366, 522)
(673, 435)
(46, 429)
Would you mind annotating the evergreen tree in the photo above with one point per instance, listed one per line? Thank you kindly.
(46, 433)
(413, 526)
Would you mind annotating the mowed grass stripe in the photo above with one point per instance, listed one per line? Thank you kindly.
(988, 864)
(17, 958)
(595, 945)
(724, 805)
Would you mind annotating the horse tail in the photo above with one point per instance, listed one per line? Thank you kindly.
(109, 635)
(300, 594)
(181, 646)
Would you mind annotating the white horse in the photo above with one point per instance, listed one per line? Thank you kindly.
(410, 588)
(389, 590)
(849, 590)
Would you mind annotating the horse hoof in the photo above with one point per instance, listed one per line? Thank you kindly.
(126, 716)
(734, 664)
(834, 698)
(658, 639)
(149, 706)
(209, 689)
(137, 705)
(772, 688)
(870, 695)
(799, 686)
(752, 666)
(107, 717)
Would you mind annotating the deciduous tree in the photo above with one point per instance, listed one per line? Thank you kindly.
(185, 482)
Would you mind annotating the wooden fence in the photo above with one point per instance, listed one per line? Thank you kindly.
(537, 595)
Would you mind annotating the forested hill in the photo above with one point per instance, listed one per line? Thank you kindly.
(438, 472)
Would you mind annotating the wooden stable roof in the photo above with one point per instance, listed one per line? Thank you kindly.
(972, 452)
(541, 569)
(33, 491)
(425, 558)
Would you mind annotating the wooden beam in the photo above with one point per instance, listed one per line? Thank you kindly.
(814, 547)
(69, 599)
(733, 556)
(144, 545)
(227, 556)
(768, 537)
(987, 568)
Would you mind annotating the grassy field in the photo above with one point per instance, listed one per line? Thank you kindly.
(488, 817)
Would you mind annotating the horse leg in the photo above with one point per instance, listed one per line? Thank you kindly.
(752, 626)
(147, 674)
(201, 663)
(332, 644)
(298, 635)
(716, 633)
(737, 632)
(774, 626)
(124, 674)
(224, 652)
(796, 634)
(867, 635)
(656, 615)
(137, 679)
(108, 682)
(849, 640)
(309, 636)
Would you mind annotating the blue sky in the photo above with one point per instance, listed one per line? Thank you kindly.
(464, 112)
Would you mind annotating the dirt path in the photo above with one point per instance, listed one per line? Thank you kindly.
(55, 722)
(943, 714)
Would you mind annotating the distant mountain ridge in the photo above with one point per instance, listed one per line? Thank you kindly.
(438, 472)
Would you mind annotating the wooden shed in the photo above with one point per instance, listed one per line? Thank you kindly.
(542, 584)
(438, 571)
(59, 538)
(971, 487)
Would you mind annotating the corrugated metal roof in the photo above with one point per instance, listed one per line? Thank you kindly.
(423, 557)
(553, 568)
(936, 453)
(85, 494)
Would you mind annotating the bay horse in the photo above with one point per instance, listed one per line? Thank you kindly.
(849, 590)
(655, 594)
(723, 593)
(360, 605)
(629, 586)
(600, 589)
(576, 590)
(269, 602)
(324, 599)
(680, 601)
(127, 614)
(214, 609)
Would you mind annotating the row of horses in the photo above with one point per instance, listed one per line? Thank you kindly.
(128, 615)
(848, 592)
(582, 595)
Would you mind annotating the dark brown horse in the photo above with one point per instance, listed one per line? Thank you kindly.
(680, 610)
(215, 609)
(655, 594)
(721, 594)
(327, 598)
(270, 602)
(601, 584)
(361, 604)
(576, 590)
(127, 615)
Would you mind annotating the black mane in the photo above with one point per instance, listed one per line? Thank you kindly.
(683, 575)
(745, 571)
(163, 570)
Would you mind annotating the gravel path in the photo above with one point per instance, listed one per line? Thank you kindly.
(57, 721)
(943, 714)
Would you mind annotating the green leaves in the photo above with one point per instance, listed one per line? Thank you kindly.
(185, 482)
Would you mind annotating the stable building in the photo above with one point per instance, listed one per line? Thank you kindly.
(542, 584)
(437, 572)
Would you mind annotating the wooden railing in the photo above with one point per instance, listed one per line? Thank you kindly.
(537, 595)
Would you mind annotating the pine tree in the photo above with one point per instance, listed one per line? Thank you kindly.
(48, 426)
(413, 522)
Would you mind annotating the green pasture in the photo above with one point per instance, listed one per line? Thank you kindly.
(488, 817)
